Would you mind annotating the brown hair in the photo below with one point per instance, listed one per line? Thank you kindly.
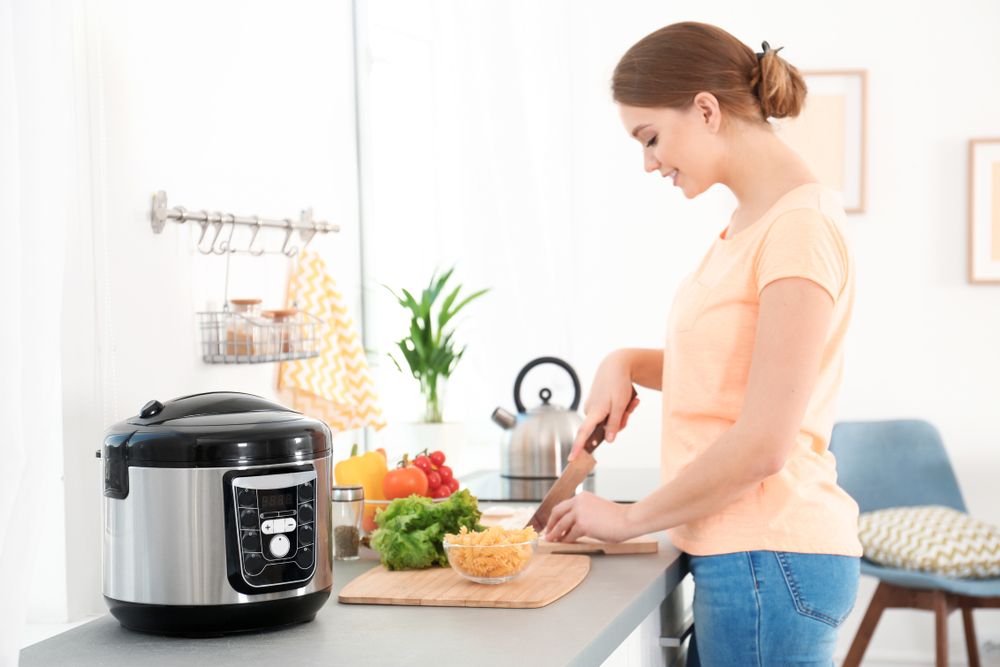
(667, 68)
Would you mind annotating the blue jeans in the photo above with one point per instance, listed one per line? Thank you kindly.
(769, 608)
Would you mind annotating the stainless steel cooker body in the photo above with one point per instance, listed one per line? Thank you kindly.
(166, 542)
(216, 516)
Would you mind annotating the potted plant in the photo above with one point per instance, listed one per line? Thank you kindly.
(431, 355)
(429, 350)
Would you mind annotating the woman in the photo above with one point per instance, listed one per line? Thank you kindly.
(751, 366)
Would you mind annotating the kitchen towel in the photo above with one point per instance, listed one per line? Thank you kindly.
(335, 386)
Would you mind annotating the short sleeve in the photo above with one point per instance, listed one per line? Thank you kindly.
(803, 243)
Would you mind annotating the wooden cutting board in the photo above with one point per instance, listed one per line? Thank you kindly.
(548, 578)
(587, 545)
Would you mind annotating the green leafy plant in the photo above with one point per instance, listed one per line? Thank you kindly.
(430, 350)
(410, 530)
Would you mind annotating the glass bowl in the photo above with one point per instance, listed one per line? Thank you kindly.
(490, 563)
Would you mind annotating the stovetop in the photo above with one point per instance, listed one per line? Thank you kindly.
(618, 484)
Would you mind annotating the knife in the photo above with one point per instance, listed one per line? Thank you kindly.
(572, 476)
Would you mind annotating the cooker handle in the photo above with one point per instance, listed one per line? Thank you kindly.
(210, 403)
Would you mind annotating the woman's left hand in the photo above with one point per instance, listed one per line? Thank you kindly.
(590, 515)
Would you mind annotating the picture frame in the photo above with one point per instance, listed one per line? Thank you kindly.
(831, 132)
(984, 211)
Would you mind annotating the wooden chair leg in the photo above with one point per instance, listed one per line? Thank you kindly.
(941, 629)
(867, 627)
(970, 637)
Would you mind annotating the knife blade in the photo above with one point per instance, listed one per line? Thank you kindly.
(576, 471)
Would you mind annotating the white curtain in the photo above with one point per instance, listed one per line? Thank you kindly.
(38, 185)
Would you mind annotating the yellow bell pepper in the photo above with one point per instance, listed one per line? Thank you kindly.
(366, 469)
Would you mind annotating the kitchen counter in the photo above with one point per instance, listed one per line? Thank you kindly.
(582, 628)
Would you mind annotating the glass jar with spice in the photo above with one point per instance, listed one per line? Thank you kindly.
(240, 335)
(348, 503)
(284, 338)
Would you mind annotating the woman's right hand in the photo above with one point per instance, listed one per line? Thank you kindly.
(610, 396)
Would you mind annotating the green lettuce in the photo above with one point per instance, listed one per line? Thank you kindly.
(410, 530)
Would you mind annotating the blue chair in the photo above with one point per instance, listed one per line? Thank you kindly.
(903, 463)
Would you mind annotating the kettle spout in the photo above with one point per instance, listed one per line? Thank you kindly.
(505, 419)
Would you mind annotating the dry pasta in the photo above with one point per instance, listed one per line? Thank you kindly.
(506, 553)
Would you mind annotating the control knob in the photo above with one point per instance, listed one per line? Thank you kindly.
(279, 546)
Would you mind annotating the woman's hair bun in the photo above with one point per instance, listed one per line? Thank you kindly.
(778, 85)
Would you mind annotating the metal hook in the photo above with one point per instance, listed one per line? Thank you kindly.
(204, 228)
(181, 214)
(256, 231)
(307, 228)
(218, 230)
(308, 236)
(289, 227)
(225, 246)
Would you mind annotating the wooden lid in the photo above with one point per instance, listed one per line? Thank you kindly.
(280, 314)
(244, 302)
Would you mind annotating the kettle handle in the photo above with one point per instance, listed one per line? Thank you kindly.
(546, 360)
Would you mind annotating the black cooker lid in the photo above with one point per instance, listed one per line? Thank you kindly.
(215, 429)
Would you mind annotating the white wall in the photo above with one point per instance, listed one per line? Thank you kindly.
(244, 107)
(493, 141)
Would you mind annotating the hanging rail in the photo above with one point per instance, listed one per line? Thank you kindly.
(307, 227)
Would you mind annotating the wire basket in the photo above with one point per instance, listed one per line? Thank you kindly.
(238, 338)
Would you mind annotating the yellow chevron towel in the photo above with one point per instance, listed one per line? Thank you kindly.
(336, 386)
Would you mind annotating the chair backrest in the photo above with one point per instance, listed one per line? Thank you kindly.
(898, 463)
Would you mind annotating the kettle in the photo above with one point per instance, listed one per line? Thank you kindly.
(538, 441)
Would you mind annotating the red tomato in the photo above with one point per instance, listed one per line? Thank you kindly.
(445, 473)
(423, 463)
(452, 484)
(403, 482)
(437, 458)
(442, 492)
(434, 480)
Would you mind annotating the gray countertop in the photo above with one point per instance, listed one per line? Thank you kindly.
(582, 628)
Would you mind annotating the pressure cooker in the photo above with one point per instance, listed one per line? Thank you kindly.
(216, 516)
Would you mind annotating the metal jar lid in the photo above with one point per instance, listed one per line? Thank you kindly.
(347, 493)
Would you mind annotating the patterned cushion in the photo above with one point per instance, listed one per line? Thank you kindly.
(931, 538)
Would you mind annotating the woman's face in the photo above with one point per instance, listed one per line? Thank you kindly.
(680, 144)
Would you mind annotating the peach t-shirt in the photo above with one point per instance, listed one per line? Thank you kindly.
(706, 363)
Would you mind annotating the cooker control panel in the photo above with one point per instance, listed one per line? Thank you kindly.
(274, 516)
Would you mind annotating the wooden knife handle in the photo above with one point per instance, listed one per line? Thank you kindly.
(599, 433)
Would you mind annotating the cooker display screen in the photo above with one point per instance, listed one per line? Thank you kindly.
(276, 500)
